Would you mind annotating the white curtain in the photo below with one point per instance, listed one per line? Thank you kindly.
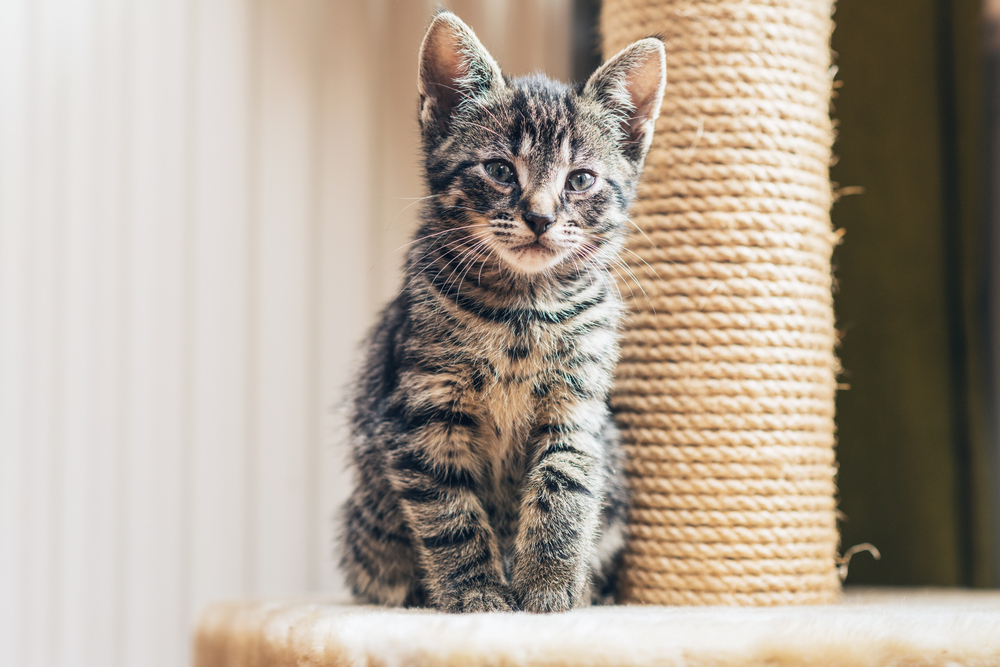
(199, 204)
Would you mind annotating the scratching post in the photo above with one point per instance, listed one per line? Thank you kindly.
(725, 392)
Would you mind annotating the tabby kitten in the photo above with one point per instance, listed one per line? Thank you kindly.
(487, 465)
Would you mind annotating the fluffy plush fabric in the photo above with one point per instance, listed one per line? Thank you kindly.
(873, 627)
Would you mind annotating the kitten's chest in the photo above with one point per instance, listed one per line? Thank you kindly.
(517, 367)
(502, 368)
(514, 365)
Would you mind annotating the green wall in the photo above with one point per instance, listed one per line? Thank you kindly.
(911, 290)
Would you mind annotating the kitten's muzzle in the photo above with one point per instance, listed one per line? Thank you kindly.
(539, 223)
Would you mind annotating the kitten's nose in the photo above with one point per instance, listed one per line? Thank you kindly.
(539, 223)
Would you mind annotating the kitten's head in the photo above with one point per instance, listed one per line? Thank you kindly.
(529, 174)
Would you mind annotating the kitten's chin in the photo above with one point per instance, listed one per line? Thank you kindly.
(532, 258)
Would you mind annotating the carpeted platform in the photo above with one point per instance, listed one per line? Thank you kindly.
(897, 627)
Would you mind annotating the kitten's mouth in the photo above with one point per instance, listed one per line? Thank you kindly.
(532, 257)
(534, 247)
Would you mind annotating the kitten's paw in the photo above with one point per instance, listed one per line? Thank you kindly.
(482, 599)
(546, 600)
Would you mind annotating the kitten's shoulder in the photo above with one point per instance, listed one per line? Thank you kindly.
(379, 373)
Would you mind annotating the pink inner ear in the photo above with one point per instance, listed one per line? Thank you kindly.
(442, 63)
(442, 66)
(643, 86)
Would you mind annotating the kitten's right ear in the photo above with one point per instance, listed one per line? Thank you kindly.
(454, 66)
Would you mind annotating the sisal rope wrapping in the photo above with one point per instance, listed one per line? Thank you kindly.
(725, 391)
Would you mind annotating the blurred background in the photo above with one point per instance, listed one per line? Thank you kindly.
(202, 204)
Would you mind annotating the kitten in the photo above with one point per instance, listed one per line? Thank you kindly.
(487, 465)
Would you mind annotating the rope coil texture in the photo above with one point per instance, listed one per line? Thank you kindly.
(725, 391)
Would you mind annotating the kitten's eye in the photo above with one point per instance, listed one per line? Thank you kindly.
(500, 171)
(580, 181)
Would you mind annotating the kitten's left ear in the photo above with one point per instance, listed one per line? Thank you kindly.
(630, 85)
(454, 66)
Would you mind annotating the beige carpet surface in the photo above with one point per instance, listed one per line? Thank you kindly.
(869, 627)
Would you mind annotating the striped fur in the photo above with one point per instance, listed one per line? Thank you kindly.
(487, 465)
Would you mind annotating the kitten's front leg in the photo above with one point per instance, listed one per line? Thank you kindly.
(437, 488)
(559, 514)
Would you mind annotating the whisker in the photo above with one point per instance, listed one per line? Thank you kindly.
(451, 244)
(466, 255)
(619, 262)
(456, 247)
(614, 283)
(491, 246)
(620, 281)
(417, 201)
(474, 250)
(649, 269)
(466, 208)
(648, 240)
(423, 238)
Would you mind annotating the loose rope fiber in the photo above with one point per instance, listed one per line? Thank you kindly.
(725, 391)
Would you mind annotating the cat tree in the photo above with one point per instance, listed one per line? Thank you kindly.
(725, 397)
(725, 391)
